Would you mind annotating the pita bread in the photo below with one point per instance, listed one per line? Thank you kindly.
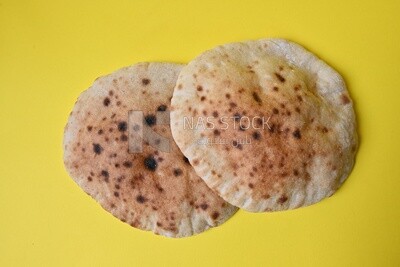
(153, 190)
(289, 134)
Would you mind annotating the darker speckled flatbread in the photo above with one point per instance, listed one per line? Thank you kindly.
(152, 190)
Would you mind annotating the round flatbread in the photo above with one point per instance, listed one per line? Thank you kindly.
(265, 123)
(155, 189)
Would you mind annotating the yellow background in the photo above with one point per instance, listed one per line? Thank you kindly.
(50, 52)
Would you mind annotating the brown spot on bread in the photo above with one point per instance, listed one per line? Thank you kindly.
(150, 120)
(280, 77)
(215, 215)
(345, 99)
(162, 108)
(97, 148)
(127, 164)
(215, 114)
(145, 81)
(106, 175)
(204, 206)
(257, 98)
(282, 199)
(199, 88)
(124, 137)
(177, 172)
(159, 188)
(106, 101)
(271, 129)
(122, 126)
(266, 196)
(228, 96)
(141, 199)
(89, 128)
(353, 148)
(237, 145)
(203, 98)
(150, 163)
(256, 135)
(297, 134)
(237, 117)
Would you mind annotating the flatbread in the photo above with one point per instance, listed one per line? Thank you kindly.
(289, 138)
(154, 190)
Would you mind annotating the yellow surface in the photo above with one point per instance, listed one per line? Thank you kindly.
(50, 52)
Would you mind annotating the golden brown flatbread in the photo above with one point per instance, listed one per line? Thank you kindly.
(153, 190)
(265, 123)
